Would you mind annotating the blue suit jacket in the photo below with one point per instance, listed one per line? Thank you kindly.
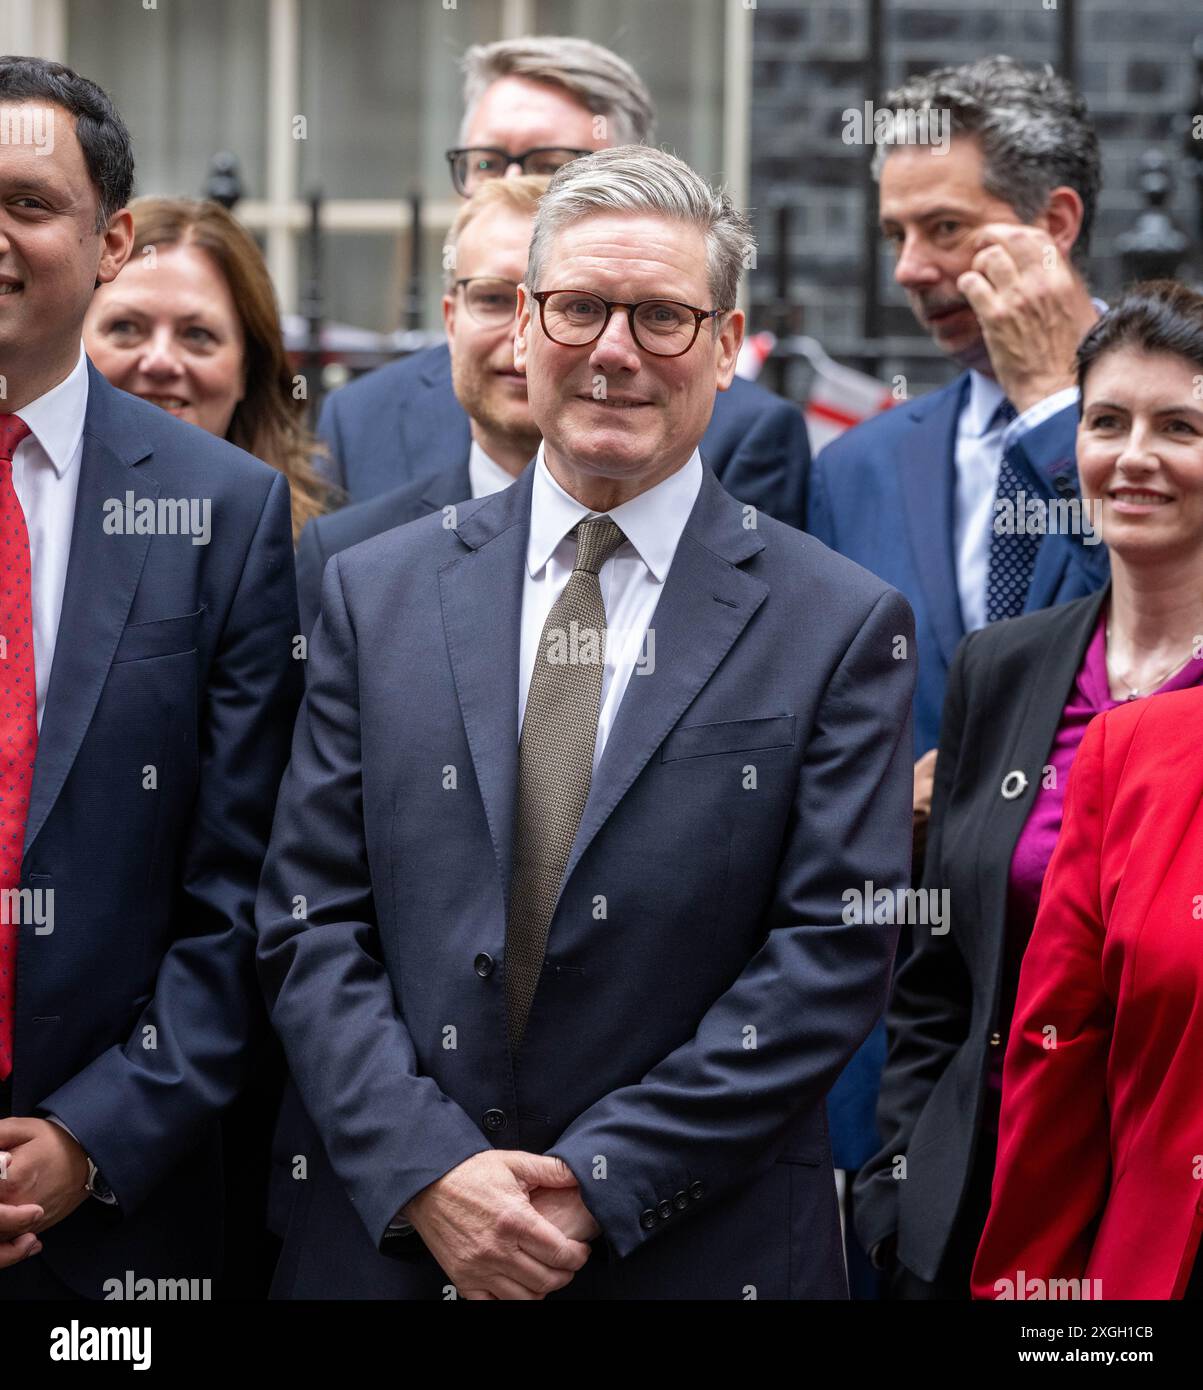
(327, 535)
(689, 1039)
(393, 425)
(883, 495)
(165, 732)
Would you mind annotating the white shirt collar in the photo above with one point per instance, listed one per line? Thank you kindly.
(56, 419)
(652, 522)
(485, 474)
(985, 396)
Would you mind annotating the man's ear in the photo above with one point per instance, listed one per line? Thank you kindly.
(1062, 218)
(118, 244)
(728, 342)
(449, 317)
(521, 328)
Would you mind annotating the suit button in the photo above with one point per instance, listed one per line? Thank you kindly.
(483, 965)
(695, 1190)
(681, 1200)
(995, 1040)
(494, 1119)
(665, 1210)
(1064, 484)
(647, 1219)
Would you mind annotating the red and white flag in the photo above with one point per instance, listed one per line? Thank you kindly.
(840, 396)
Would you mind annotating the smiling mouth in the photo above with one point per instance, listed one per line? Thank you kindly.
(1137, 498)
(614, 403)
(168, 402)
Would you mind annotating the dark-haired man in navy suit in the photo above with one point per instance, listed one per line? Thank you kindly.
(990, 227)
(147, 688)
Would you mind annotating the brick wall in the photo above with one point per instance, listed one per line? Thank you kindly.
(1134, 65)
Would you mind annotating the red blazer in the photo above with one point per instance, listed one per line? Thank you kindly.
(1100, 1159)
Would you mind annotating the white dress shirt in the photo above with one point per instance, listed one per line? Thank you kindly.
(979, 451)
(485, 475)
(46, 468)
(631, 579)
(978, 456)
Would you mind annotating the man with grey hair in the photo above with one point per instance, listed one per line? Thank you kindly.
(990, 231)
(583, 774)
(571, 91)
(531, 105)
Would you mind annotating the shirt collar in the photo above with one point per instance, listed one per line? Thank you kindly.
(652, 522)
(985, 396)
(56, 419)
(485, 473)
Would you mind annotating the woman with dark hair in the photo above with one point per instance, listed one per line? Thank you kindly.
(191, 324)
(1020, 696)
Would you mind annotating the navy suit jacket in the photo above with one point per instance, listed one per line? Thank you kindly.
(883, 494)
(327, 535)
(164, 735)
(679, 1051)
(403, 420)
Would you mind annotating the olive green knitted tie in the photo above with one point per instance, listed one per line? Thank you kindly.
(555, 762)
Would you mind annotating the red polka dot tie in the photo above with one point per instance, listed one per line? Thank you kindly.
(18, 719)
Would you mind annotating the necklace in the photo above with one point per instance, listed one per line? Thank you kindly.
(1134, 692)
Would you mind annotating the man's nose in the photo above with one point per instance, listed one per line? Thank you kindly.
(914, 268)
(616, 347)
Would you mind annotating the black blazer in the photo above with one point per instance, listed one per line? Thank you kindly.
(1007, 689)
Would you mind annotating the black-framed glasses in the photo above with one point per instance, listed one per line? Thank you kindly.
(490, 300)
(665, 327)
(477, 164)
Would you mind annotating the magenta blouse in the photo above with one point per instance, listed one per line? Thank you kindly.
(1091, 695)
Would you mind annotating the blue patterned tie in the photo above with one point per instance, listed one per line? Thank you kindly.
(1012, 557)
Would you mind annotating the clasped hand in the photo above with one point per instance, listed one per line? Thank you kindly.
(505, 1224)
(43, 1173)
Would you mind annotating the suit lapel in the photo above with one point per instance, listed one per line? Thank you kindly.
(706, 603)
(102, 577)
(928, 481)
(481, 596)
(1029, 740)
(1049, 570)
(446, 488)
(435, 432)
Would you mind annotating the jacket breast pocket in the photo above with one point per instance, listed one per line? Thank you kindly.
(729, 736)
(159, 637)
